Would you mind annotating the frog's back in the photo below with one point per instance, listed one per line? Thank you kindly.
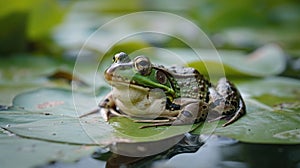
(190, 82)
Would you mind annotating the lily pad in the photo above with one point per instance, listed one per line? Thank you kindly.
(47, 120)
(32, 153)
(265, 61)
(50, 114)
(25, 72)
(273, 113)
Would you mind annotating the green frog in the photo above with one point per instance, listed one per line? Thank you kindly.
(163, 96)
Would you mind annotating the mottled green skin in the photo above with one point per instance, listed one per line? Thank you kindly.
(189, 82)
(188, 95)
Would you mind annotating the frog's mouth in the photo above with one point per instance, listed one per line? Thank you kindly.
(125, 77)
(118, 75)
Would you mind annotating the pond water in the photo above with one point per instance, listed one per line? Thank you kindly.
(191, 152)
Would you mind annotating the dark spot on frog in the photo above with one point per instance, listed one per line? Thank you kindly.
(172, 106)
(234, 103)
(234, 89)
(202, 88)
(207, 98)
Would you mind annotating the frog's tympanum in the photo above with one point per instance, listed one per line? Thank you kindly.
(161, 96)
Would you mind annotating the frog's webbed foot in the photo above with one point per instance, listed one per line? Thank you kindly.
(239, 113)
(227, 101)
(106, 113)
(106, 108)
(231, 118)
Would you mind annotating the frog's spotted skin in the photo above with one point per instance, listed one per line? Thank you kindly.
(167, 96)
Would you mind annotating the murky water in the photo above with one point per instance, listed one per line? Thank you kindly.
(192, 152)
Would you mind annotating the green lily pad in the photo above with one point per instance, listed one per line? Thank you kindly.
(273, 113)
(265, 61)
(47, 120)
(50, 114)
(33, 153)
(25, 72)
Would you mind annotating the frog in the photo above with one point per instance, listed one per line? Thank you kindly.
(164, 96)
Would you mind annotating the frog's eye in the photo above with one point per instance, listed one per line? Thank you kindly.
(161, 77)
(121, 58)
(142, 65)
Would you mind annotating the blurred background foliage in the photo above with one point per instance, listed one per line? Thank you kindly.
(40, 40)
(58, 30)
(60, 27)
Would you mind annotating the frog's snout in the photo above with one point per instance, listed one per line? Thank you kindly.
(109, 72)
(108, 75)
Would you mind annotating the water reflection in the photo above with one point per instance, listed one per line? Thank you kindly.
(191, 152)
(188, 144)
(223, 152)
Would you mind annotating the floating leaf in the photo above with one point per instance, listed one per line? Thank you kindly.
(32, 153)
(265, 61)
(264, 121)
(52, 115)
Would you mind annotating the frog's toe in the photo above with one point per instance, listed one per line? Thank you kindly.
(96, 110)
(238, 114)
(235, 117)
(151, 121)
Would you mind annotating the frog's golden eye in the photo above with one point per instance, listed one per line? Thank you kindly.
(121, 58)
(142, 65)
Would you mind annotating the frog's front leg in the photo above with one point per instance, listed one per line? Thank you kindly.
(227, 101)
(191, 111)
(106, 107)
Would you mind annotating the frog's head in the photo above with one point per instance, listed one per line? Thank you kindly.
(141, 73)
